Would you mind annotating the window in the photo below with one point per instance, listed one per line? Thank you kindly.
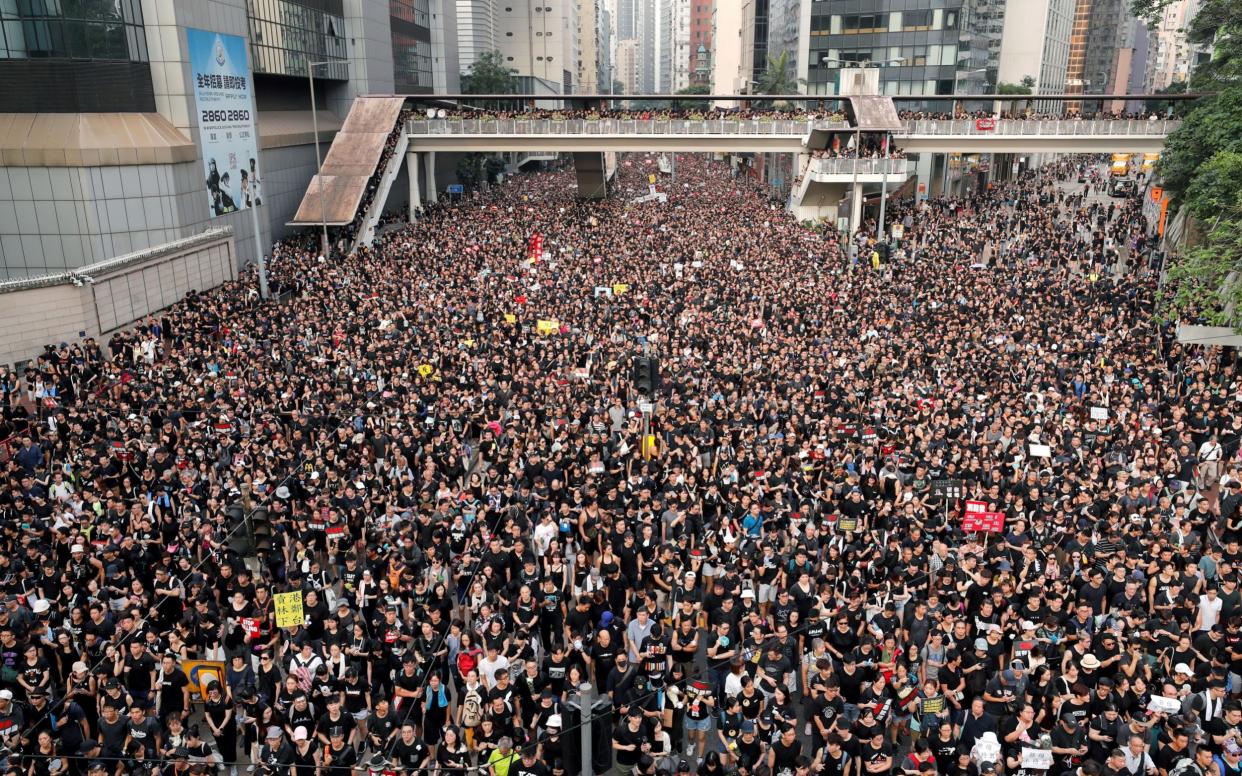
(917, 21)
(285, 35)
(110, 30)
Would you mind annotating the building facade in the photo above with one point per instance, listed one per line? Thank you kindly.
(1170, 57)
(1036, 43)
(627, 66)
(588, 81)
(701, 13)
(923, 48)
(539, 40)
(105, 151)
(476, 31)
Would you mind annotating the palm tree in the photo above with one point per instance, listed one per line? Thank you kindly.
(778, 79)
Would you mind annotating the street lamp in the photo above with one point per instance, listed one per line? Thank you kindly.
(323, 201)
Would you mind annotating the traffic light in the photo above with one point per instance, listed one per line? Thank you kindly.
(646, 375)
(261, 531)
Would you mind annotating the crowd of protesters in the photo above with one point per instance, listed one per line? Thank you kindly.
(373, 183)
(764, 574)
(1030, 115)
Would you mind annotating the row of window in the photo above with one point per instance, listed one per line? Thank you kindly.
(894, 21)
(73, 29)
(50, 37)
(933, 55)
(411, 60)
(285, 36)
(413, 11)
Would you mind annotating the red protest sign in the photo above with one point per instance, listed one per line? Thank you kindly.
(251, 626)
(985, 125)
(983, 522)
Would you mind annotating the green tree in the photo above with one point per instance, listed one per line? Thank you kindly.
(1201, 166)
(1022, 88)
(490, 75)
(692, 104)
(778, 78)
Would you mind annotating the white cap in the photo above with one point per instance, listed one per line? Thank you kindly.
(80, 667)
(1028, 625)
(1182, 668)
(40, 606)
(6, 695)
(77, 548)
(748, 593)
(299, 733)
(554, 721)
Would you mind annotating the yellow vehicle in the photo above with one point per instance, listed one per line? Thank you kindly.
(1120, 166)
(1149, 161)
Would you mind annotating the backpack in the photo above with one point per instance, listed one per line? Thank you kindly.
(472, 709)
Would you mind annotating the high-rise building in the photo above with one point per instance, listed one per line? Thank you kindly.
(701, 13)
(646, 32)
(588, 48)
(423, 35)
(728, 52)
(673, 46)
(1170, 57)
(627, 66)
(107, 152)
(539, 40)
(606, 76)
(1036, 43)
(939, 48)
(476, 30)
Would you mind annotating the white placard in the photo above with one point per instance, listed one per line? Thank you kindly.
(1099, 413)
(987, 752)
(603, 291)
(1036, 759)
(646, 407)
(1164, 705)
(1041, 451)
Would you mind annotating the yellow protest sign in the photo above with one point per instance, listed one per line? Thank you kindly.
(510, 318)
(425, 370)
(288, 609)
(651, 178)
(202, 674)
(468, 343)
(548, 327)
(649, 447)
(620, 288)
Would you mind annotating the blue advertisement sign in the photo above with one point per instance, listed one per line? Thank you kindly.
(223, 95)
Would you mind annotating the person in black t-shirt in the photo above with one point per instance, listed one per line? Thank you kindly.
(629, 740)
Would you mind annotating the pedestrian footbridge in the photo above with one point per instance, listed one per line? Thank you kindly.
(783, 135)
(353, 165)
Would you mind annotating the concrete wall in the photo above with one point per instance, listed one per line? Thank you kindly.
(58, 218)
(104, 297)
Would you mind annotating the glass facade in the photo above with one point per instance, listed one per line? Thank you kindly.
(411, 11)
(924, 47)
(411, 46)
(286, 35)
(107, 30)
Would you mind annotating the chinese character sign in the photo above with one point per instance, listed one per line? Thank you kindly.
(226, 123)
(289, 612)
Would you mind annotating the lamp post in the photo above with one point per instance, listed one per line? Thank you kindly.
(323, 201)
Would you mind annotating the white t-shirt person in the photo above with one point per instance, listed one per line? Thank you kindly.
(1209, 610)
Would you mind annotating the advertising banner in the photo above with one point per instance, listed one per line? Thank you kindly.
(226, 122)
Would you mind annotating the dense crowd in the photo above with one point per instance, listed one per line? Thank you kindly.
(1028, 114)
(447, 435)
(350, 231)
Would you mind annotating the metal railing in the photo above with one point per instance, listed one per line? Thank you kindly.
(1056, 127)
(844, 166)
(786, 127)
(777, 127)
